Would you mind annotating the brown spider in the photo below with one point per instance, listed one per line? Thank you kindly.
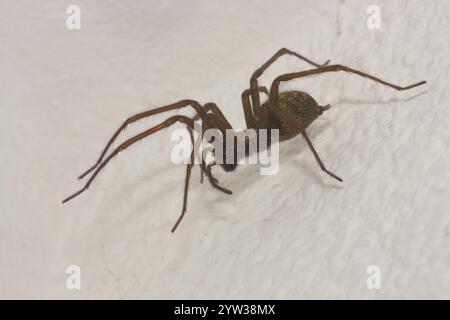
(291, 112)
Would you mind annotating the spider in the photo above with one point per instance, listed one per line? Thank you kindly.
(290, 112)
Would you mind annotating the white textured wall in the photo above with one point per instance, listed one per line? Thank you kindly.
(297, 234)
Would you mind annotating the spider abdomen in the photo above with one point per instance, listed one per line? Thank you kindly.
(296, 110)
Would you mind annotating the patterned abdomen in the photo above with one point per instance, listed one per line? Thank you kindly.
(296, 111)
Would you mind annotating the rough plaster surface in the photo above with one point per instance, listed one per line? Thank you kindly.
(297, 234)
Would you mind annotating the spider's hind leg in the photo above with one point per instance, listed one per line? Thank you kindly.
(316, 155)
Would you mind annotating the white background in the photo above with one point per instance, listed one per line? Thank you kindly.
(297, 234)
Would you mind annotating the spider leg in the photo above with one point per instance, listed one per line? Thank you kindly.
(145, 114)
(214, 109)
(211, 106)
(215, 122)
(248, 113)
(215, 117)
(187, 180)
(316, 155)
(250, 119)
(214, 182)
(186, 183)
(170, 121)
(165, 124)
(254, 79)
(186, 189)
(206, 169)
(333, 68)
(196, 145)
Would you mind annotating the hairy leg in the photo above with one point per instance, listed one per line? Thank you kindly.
(333, 68)
(165, 124)
(316, 155)
(250, 119)
(178, 105)
(254, 79)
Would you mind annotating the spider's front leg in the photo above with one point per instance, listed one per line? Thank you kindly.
(206, 168)
(131, 141)
(214, 182)
(217, 121)
(174, 106)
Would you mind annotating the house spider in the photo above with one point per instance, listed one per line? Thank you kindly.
(291, 112)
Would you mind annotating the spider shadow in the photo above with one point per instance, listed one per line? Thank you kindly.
(174, 188)
(129, 188)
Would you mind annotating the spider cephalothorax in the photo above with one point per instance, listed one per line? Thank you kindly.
(290, 112)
